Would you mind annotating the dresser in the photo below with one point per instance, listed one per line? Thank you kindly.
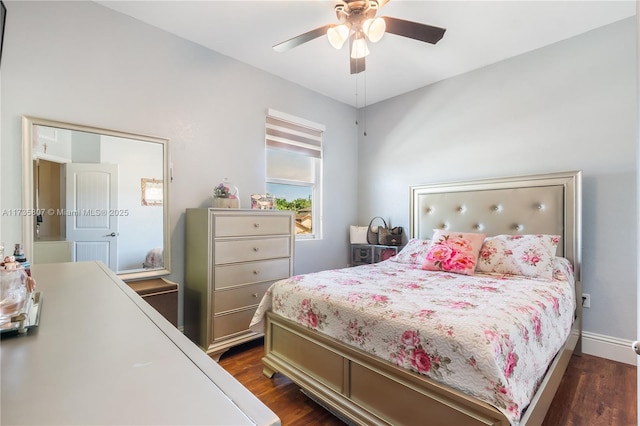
(102, 355)
(232, 256)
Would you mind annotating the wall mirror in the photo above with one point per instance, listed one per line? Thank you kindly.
(95, 194)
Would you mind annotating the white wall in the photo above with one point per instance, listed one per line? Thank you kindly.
(82, 63)
(569, 106)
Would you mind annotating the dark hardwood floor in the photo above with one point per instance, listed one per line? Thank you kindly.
(593, 392)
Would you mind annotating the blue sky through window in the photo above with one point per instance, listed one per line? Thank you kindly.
(288, 192)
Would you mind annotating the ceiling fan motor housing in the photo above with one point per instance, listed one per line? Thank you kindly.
(356, 11)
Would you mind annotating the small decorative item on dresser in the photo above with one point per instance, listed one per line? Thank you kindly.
(226, 196)
(17, 295)
(263, 202)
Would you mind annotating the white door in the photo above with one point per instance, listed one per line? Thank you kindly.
(91, 197)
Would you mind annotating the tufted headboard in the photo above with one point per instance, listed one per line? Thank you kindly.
(536, 204)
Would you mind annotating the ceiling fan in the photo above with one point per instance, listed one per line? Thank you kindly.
(357, 24)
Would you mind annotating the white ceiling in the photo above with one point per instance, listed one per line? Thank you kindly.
(478, 33)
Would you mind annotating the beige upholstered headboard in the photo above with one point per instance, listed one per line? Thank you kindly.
(536, 204)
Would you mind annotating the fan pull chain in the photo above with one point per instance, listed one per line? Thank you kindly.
(356, 96)
(364, 113)
(365, 98)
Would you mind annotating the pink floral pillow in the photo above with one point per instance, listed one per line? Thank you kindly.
(527, 255)
(453, 252)
(414, 252)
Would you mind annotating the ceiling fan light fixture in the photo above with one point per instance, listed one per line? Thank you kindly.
(338, 35)
(359, 48)
(374, 29)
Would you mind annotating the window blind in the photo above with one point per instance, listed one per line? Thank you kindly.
(284, 134)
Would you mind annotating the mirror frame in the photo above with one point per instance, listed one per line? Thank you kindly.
(28, 187)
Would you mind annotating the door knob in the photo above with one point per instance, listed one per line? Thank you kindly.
(113, 234)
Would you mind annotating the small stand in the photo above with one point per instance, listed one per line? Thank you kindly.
(363, 254)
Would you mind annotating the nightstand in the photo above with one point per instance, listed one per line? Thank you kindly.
(363, 254)
(160, 293)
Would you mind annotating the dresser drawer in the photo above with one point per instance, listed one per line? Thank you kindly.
(256, 224)
(233, 251)
(253, 272)
(241, 297)
(234, 323)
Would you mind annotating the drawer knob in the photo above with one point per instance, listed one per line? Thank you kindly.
(256, 249)
(255, 272)
(256, 225)
(255, 295)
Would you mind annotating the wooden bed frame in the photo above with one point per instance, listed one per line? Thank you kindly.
(363, 389)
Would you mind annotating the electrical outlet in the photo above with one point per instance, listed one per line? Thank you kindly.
(586, 300)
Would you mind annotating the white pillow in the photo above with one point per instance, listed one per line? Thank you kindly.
(527, 255)
(415, 252)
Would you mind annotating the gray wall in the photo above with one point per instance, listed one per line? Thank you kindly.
(569, 106)
(82, 63)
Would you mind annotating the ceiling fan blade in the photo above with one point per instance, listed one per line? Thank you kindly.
(414, 30)
(357, 65)
(302, 38)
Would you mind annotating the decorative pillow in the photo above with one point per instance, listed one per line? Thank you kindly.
(453, 252)
(527, 255)
(414, 252)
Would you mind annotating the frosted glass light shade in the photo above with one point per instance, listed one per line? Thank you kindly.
(359, 48)
(374, 29)
(338, 35)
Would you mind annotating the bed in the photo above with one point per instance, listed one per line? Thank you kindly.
(154, 259)
(374, 344)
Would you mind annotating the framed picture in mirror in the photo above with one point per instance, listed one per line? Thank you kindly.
(151, 192)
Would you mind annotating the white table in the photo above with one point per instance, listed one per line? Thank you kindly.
(102, 355)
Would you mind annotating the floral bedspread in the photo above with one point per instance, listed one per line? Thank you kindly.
(491, 336)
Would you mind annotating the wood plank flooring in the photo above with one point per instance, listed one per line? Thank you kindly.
(593, 392)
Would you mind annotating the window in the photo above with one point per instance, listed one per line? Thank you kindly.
(294, 169)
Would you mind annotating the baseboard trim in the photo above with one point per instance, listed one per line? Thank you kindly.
(608, 347)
